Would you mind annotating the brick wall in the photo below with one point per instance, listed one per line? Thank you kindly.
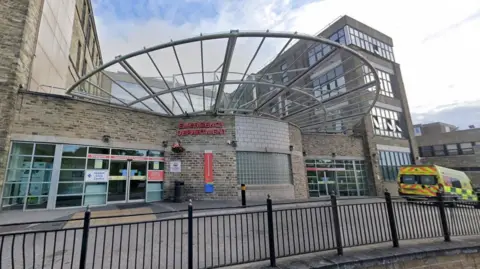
(19, 20)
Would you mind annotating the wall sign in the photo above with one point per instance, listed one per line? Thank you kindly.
(156, 175)
(124, 157)
(96, 176)
(201, 128)
(175, 166)
(208, 171)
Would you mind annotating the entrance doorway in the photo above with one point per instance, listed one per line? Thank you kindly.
(322, 183)
(127, 181)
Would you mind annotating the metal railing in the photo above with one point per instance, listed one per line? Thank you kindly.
(241, 235)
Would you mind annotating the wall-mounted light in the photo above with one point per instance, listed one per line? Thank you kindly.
(304, 153)
(334, 154)
(232, 143)
(164, 144)
(106, 139)
(291, 147)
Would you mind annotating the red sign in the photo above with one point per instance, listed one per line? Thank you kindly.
(208, 166)
(202, 124)
(156, 175)
(201, 132)
(201, 128)
(124, 158)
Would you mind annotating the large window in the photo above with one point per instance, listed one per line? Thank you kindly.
(447, 150)
(29, 175)
(390, 162)
(385, 81)
(344, 177)
(370, 44)
(283, 68)
(386, 122)
(321, 50)
(47, 176)
(259, 168)
(329, 84)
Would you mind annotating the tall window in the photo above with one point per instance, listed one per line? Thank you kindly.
(321, 50)
(283, 68)
(88, 33)
(417, 131)
(29, 176)
(390, 163)
(79, 54)
(386, 122)
(84, 11)
(385, 81)
(329, 84)
(84, 68)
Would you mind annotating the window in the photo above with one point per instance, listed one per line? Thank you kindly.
(88, 33)
(452, 149)
(29, 175)
(417, 131)
(370, 44)
(439, 150)
(447, 129)
(466, 148)
(79, 54)
(384, 79)
(93, 52)
(258, 168)
(386, 122)
(321, 50)
(390, 163)
(84, 11)
(284, 67)
(84, 68)
(329, 84)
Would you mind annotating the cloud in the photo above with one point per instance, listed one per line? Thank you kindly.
(436, 71)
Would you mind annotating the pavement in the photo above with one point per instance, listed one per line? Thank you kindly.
(221, 237)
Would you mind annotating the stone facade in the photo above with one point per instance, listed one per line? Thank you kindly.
(298, 163)
(19, 25)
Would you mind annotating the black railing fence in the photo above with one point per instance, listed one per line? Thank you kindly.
(206, 240)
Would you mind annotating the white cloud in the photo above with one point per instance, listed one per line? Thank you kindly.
(437, 71)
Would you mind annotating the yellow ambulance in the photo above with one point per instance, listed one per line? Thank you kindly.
(424, 181)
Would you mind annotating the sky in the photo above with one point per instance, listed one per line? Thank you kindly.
(435, 41)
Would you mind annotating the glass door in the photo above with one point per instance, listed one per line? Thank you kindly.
(117, 183)
(330, 182)
(137, 180)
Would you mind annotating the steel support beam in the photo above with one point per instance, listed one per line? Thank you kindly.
(189, 98)
(164, 81)
(123, 88)
(144, 85)
(226, 66)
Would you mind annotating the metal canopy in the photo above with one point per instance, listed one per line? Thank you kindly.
(242, 73)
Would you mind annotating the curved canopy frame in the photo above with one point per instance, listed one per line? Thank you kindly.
(315, 83)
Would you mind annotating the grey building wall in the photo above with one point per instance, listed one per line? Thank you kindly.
(435, 128)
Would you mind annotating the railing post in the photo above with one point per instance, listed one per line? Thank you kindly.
(443, 216)
(271, 240)
(190, 235)
(391, 218)
(478, 200)
(244, 198)
(336, 224)
(86, 230)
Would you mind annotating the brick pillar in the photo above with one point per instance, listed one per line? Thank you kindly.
(299, 174)
(19, 20)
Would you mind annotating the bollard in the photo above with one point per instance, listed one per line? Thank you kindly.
(190, 235)
(86, 229)
(443, 216)
(391, 219)
(244, 198)
(336, 224)
(271, 239)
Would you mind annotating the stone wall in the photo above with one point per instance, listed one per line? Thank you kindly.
(299, 172)
(63, 117)
(459, 261)
(19, 22)
(325, 145)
